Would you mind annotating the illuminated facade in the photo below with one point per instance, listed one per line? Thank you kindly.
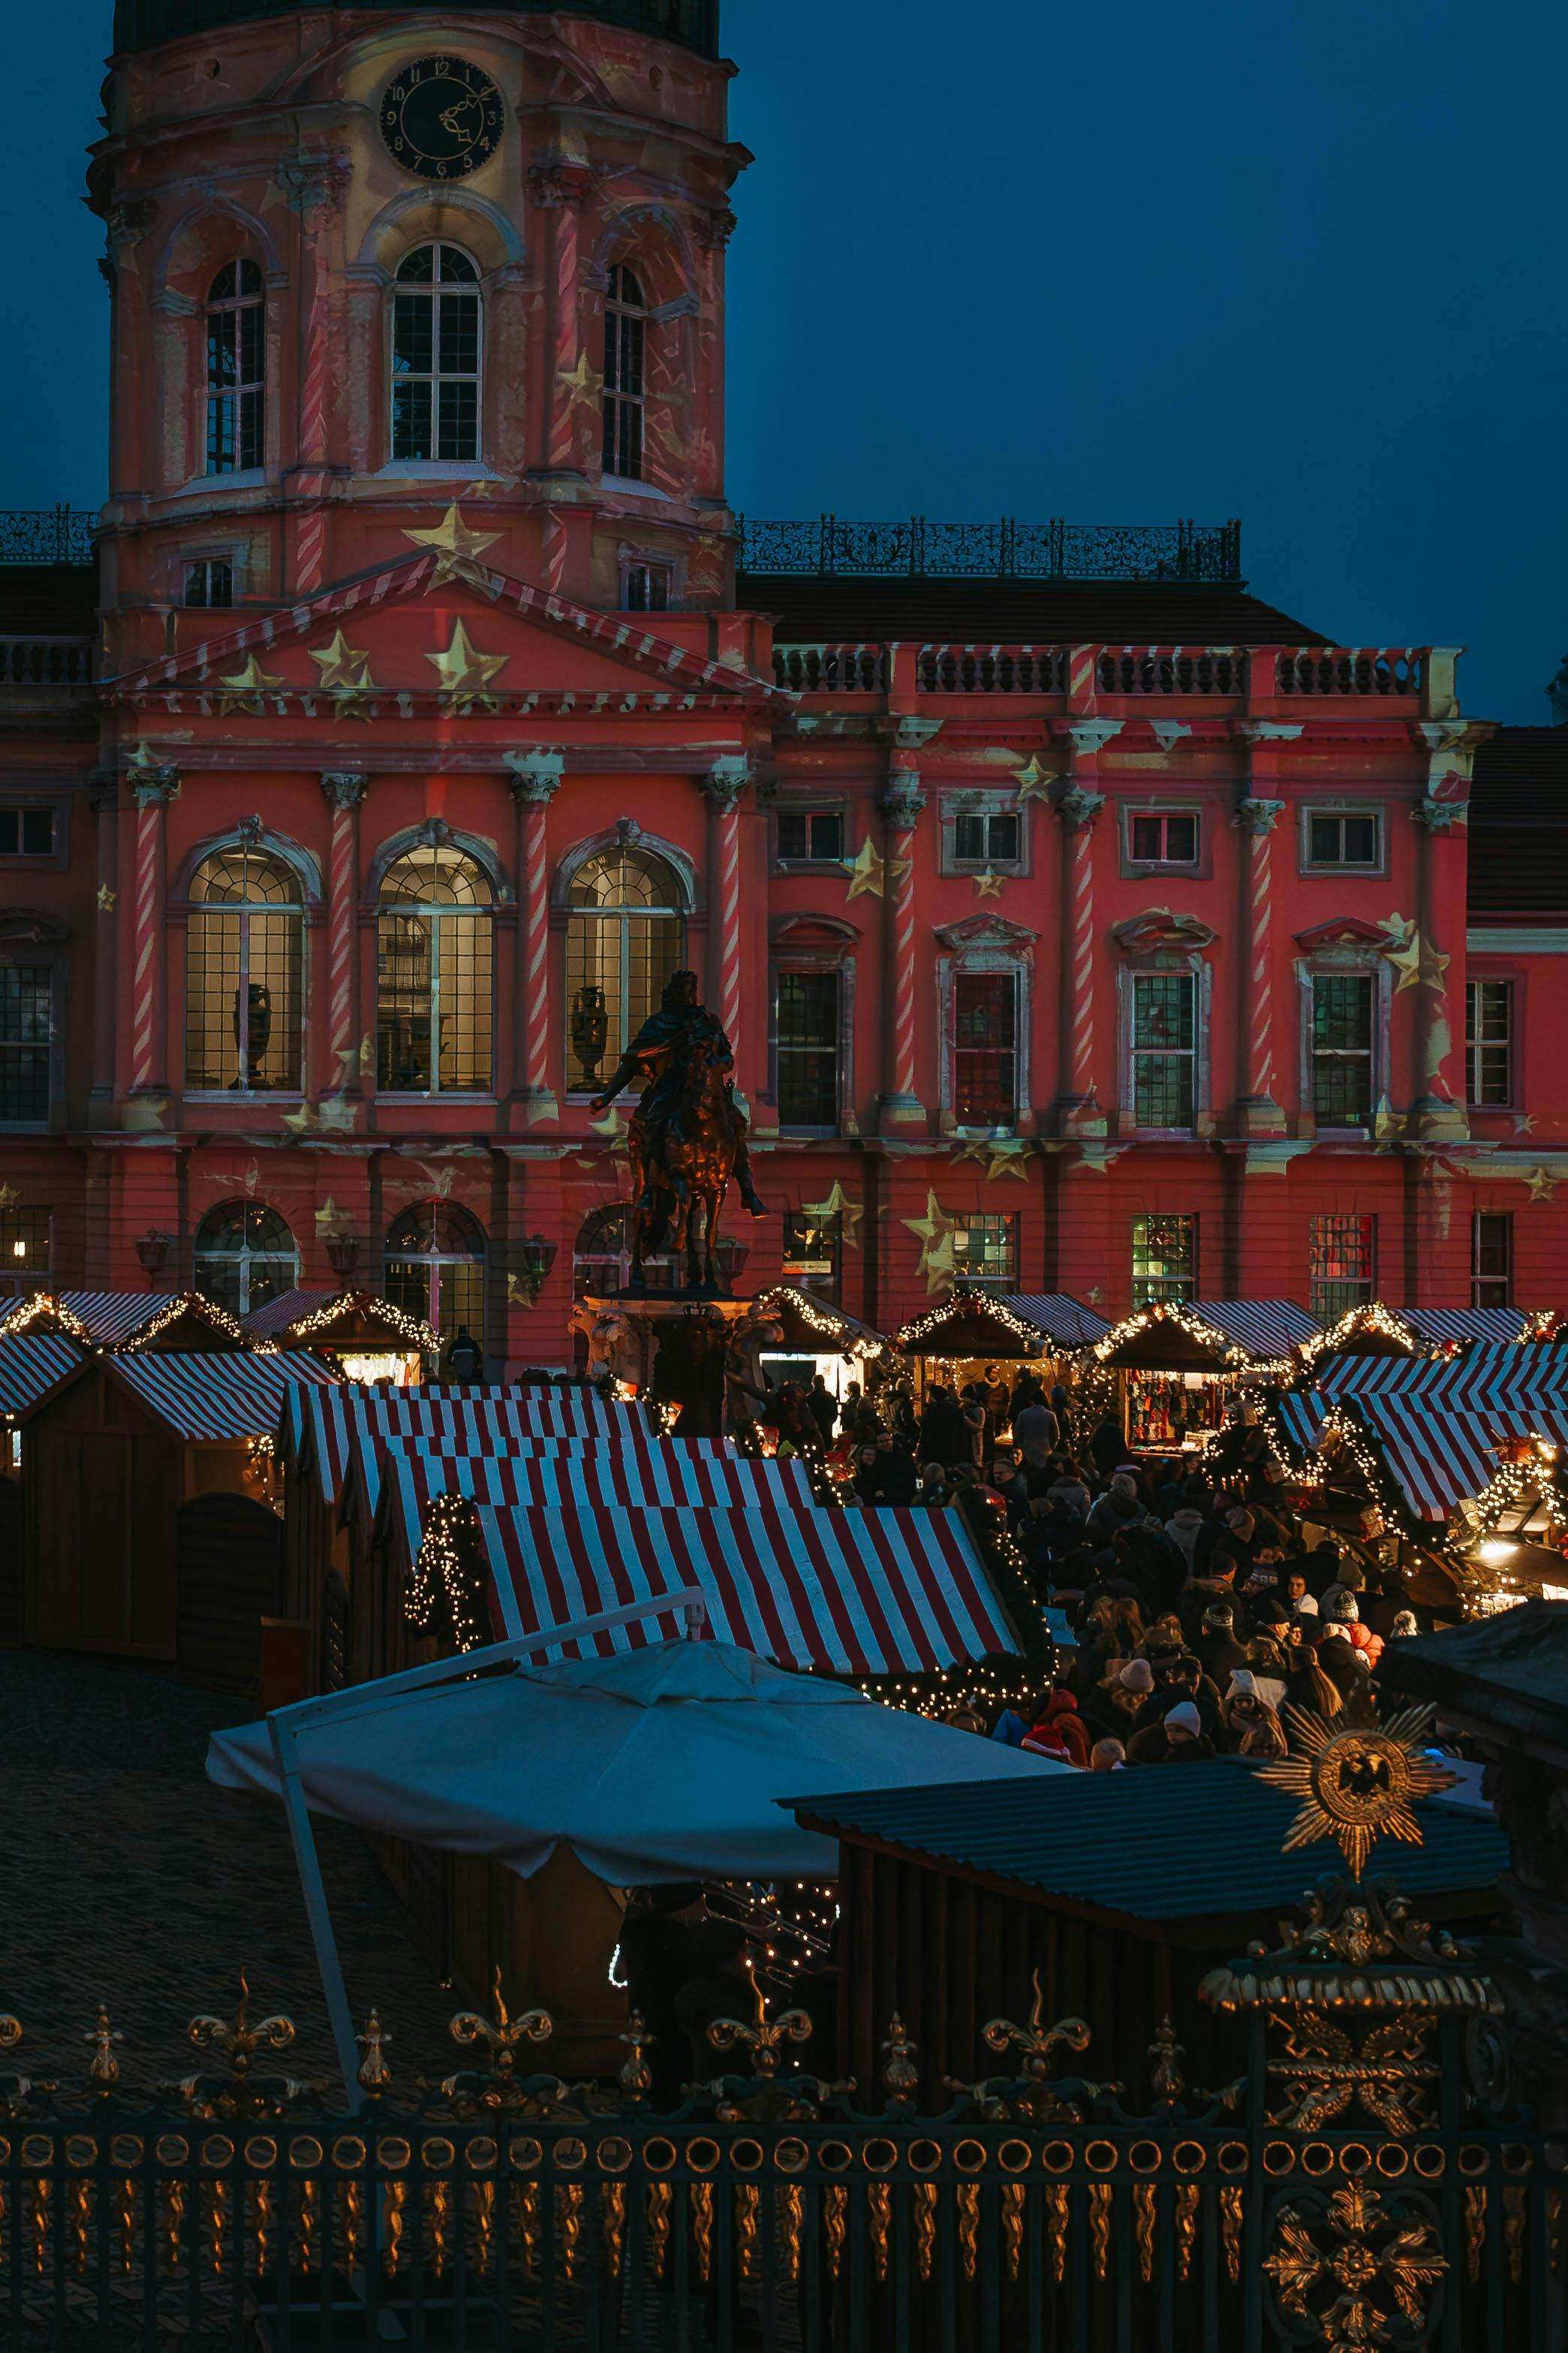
(1082, 922)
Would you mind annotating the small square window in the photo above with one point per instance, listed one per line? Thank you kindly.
(985, 838)
(1164, 1259)
(810, 837)
(27, 833)
(209, 585)
(1165, 837)
(1343, 840)
(985, 1250)
(647, 587)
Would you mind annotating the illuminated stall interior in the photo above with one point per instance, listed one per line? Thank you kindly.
(971, 1336)
(816, 1338)
(360, 1336)
(1174, 1378)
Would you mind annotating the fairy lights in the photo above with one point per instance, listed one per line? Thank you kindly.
(1344, 1427)
(1520, 1510)
(205, 1311)
(1541, 1323)
(361, 1307)
(1173, 1313)
(44, 1313)
(1372, 1317)
(966, 1298)
(847, 1338)
(446, 1596)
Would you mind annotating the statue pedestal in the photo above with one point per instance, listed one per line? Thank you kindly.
(680, 1344)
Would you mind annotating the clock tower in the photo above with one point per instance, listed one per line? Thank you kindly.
(370, 262)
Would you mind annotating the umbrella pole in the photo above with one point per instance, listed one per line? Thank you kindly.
(308, 1865)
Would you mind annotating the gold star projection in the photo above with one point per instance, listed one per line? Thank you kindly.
(457, 549)
(868, 871)
(935, 1232)
(466, 674)
(837, 1205)
(345, 677)
(246, 689)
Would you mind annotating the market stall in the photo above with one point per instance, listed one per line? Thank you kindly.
(1509, 1542)
(971, 1336)
(816, 1338)
(359, 1335)
(1369, 1330)
(1174, 1376)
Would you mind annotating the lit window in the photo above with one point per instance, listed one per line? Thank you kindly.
(209, 584)
(623, 943)
(1492, 1259)
(27, 1037)
(647, 588)
(984, 1057)
(809, 1048)
(24, 1248)
(1488, 1041)
(1340, 1255)
(810, 837)
(1164, 1259)
(985, 838)
(245, 953)
(1341, 1048)
(625, 325)
(1338, 839)
(236, 370)
(435, 1268)
(433, 975)
(436, 356)
(27, 833)
(985, 1250)
(245, 1257)
(1165, 1048)
(1163, 838)
(811, 1254)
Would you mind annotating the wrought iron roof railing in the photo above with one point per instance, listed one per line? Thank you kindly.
(47, 535)
(1007, 550)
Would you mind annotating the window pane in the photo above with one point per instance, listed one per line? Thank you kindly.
(827, 834)
(1164, 1259)
(459, 434)
(1323, 834)
(811, 1253)
(37, 832)
(465, 1018)
(10, 832)
(1163, 1060)
(1341, 1048)
(25, 1024)
(969, 837)
(1181, 839)
(985, 1250)
(809, 1048)
(1489, 1007)
(792, 833)
(1339, 1255)
(1004, 828)
(413, 332)
(410, 420)
(403, 1003)
(1361, 841)
(460, 335)
(985, 1081)
(1147, 836)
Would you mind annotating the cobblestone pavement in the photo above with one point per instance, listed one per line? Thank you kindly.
(127, 1878)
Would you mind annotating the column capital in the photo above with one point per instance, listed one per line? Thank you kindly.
(726, 781)
(1255, 816)
(902, 800)
(344, 788)
(536, 776)
(1078, 808)
(1434, 816)
(1089, 737)
(155, 788)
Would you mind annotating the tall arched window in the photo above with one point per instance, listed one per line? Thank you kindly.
(236, 370)
(432, 966)
(626, 323)
(244, 954)
(436, 355)
(435, 1267)
(623, 942)
(244, 1256)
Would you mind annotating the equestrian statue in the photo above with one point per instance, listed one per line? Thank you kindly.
(688, 1135)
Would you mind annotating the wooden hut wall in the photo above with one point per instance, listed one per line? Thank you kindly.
(106, 1480)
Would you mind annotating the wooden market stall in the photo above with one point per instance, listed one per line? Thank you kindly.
(815, 1337)
(180, 1323)
(971, 1335)
(1174, 1374)
(32, 1367)
(1369, 1330)
(147, 1531)
(359, 1335)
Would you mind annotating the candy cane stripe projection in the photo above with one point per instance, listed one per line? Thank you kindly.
(152, 797)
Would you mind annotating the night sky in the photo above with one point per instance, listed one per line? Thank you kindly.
(1300, 262)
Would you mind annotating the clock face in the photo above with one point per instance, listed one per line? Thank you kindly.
(442, 118)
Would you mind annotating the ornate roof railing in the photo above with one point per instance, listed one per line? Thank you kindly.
(47, 535)
(1007, 550)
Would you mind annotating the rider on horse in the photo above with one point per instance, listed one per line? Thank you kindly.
(660, 1055)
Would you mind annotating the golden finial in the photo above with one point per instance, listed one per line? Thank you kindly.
(501, 2034)
(636, 2076)
(237, 2038)
(374, 2074)
(901, 2076)
(104, 2068)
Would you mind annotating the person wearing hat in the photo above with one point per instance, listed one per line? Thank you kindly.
(1113, 1706)
(1178, 1739)
(1337, 1658)
(1218, 1651)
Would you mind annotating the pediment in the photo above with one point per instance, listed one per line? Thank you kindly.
(432, 631)
(1342, 932)
(31, 927)
(1158, 929)
(973, 932)
(813, 931)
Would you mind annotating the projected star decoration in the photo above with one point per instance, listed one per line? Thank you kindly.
(465, 673)
(457, 548)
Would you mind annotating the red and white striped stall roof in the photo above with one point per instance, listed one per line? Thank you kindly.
(1440, 1455)
(110, 1316)
(218, 1397)
(1301, 1414)
(413, 1470)
(32, 1365)
(1268, 1329)
(847, 1593)
(1487, 1373)
(1504, 1323)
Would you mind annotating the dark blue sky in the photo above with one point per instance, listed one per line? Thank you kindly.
(1301, 262)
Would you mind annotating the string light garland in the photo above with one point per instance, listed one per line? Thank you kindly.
(1344, 1426)
(43, 1312)
(1175, 1313)
(1370, 1315)
(866, 1348)
(966, 1298)
(205, 1311)
(348, 1305)
(1527, 1482)
(1541, 1323)
(447, 1587)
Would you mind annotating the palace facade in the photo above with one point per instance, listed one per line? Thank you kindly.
(417, 705)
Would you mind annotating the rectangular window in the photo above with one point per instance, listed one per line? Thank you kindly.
(24, 1248)
(1165, 1048)
(986, 1062)
(209, 585)
(985, 1250)
(811, 1253)
(1340, 839)
(27, 833)
(1341, 1048)
(647, 588)
(809, 1048)
(1488, 1041)
(1340, 1262)
(1164, 837)
(985, 838)
(1164, 1259)
(810, 837)
(26, 1023)
(1492, 1259)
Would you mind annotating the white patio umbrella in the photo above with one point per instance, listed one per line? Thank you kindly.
(655, 1764)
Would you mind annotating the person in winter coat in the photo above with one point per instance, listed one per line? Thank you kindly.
(942, 1435)
(1193, 1533)
(1048, 1532)
(933, 1493)
(1116, 1510)
(1218, 1653)
(1061, 1406)
(1107, 1446)
(1178, 1739)
(1035, 1434)
(1112, 1706)
(823, 1407)
(1337, 1659)
(1107, 1756)
(1061, 1724)
(1069, 1481)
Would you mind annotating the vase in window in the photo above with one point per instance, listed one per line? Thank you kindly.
(590, 1031)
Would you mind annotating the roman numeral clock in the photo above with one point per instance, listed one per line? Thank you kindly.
(442, 118)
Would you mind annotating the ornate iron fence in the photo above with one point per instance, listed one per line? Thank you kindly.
(47, 535)
(1007, 550)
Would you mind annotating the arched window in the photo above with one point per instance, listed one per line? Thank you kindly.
(436, 355)
(244, 1256)
(435, 1268)
(244, 954)
(623, 942)
(602, 1258)
(433, 967)
(236, 370)
(625, 322)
